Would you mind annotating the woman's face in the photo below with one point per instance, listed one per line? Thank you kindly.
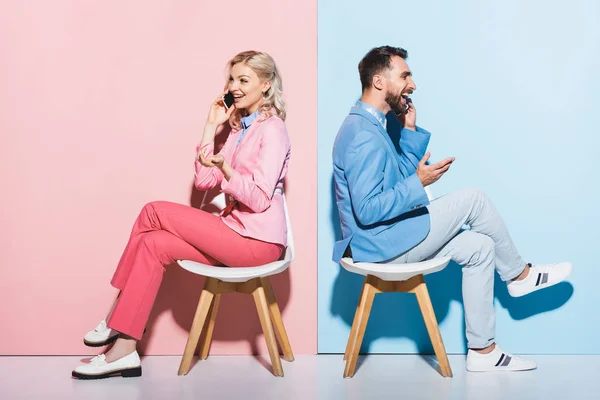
(246, 87)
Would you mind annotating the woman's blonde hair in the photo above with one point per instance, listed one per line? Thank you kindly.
(264, 66)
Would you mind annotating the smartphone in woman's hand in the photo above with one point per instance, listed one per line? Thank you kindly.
(228, 100)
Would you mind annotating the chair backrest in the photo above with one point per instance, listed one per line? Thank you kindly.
(290, 250)
(214, 202)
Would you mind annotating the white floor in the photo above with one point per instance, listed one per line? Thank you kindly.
(309, 377)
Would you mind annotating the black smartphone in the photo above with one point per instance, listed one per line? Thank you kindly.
(228, 100)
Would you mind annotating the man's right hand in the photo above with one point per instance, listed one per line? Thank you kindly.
(429, 174)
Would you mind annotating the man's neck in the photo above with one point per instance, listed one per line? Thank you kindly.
(373, 101)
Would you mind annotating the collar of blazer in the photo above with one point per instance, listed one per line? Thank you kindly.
(365, 114)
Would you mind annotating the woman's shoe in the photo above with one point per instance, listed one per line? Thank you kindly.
(127, 367)
(101, 336)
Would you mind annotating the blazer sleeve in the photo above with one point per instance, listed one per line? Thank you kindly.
(208, 177)
(365, 168)
(413, 145)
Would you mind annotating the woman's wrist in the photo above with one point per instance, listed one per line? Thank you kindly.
(211, 125)
(227, 170)
(208, 135)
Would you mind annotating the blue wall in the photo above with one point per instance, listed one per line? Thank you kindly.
(512, 90)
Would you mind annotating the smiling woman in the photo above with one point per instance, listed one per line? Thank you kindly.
(250, 170)
(255, 82)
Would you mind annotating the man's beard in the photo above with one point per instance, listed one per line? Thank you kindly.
(395, 102)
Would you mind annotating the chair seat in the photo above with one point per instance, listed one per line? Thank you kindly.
(395, 272)
(227, 274)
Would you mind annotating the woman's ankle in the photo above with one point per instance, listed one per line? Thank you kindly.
(121, 348)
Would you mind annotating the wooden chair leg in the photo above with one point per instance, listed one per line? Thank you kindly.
(432, 326)
(204, 303)
(353, 328)
(363, 312)
(262, 308)
(275, 314)
(209, 326)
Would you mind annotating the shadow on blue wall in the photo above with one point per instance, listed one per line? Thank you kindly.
(397, 315)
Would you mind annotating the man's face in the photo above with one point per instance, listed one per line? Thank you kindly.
(398, 85)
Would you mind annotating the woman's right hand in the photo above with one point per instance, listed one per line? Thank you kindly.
(218, 114)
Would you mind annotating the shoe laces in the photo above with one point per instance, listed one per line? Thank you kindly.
(541, 268)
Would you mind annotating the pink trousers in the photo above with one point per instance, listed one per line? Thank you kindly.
(163, 233)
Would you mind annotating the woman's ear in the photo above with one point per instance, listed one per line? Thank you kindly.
(266, 87)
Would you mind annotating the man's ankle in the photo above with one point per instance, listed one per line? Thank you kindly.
(486, 350)
(523, 274)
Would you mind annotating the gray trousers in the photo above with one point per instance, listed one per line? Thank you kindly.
(486, 247)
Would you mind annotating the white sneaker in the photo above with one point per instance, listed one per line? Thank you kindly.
(127, 367)
(540, 276)
(101, 336)
(497, 360)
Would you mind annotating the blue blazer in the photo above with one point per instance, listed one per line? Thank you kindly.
(380, 199)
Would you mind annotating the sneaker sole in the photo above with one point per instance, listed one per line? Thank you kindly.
(544, 286)
(125, 373)
(502, 369)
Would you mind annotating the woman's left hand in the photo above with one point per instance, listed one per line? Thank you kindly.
(217, 160)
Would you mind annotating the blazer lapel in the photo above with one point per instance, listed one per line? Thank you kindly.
(380, 129)
(248, 133)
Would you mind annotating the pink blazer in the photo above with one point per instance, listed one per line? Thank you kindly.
(260, 163)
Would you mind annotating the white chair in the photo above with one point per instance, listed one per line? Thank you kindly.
(252, 280)
(382, 278)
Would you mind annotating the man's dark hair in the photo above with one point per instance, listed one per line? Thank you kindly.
(375, 61)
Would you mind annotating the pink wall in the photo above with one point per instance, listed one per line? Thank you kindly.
(101, 105)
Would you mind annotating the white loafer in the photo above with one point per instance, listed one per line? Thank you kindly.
(101, 336)
(127, 367)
